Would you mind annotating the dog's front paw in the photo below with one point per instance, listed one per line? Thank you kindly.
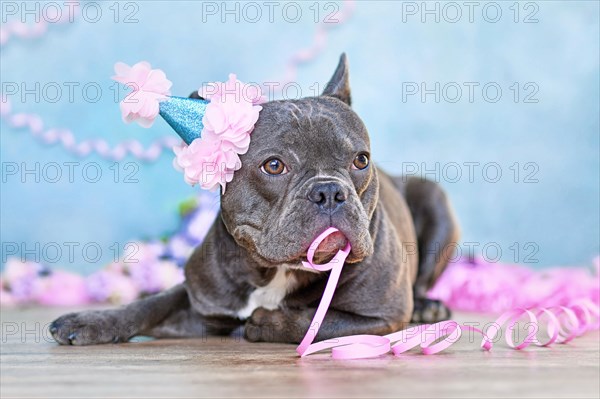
(264, 325)
(272, 326)
(429, 311)
(90, 328)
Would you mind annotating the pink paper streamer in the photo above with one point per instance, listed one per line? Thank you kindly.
(481, 286)
(563, 323)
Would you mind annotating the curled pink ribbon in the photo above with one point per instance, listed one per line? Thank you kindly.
(563, 323)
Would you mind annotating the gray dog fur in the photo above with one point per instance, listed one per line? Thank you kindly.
(248, 272)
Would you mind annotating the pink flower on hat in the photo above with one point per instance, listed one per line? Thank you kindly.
(150, 86)
(231, 122)
(230, 117)
(248, 92)
(205, 163)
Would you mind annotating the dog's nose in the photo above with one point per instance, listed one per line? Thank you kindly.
(329, 196)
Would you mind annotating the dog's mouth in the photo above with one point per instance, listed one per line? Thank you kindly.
(290, 249)
(329, 247)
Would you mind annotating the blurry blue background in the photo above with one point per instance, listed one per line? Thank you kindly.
(389, 49)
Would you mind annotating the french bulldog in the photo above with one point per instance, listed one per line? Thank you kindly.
(309, 167)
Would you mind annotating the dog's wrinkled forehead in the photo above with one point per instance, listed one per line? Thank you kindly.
(324, 126)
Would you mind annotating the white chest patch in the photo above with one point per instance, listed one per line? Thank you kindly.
(269, 296)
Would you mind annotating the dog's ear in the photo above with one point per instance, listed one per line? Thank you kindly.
(339, 85)
(195, 95)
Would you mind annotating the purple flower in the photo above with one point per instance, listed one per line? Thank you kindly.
(19, 278)
(199, 224)
(110, 285)
(6, 298)
(61, 289)
(179, 249)
(148, 271)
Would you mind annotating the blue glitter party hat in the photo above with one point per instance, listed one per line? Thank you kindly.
(184, 115)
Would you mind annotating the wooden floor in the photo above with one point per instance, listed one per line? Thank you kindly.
(33, 366)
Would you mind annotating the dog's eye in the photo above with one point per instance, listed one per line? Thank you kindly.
(274, 166)
(361, 161)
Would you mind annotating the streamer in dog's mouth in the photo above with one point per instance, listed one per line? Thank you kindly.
(330, 246)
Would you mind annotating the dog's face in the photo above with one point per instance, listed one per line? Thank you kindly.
(308, 168)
